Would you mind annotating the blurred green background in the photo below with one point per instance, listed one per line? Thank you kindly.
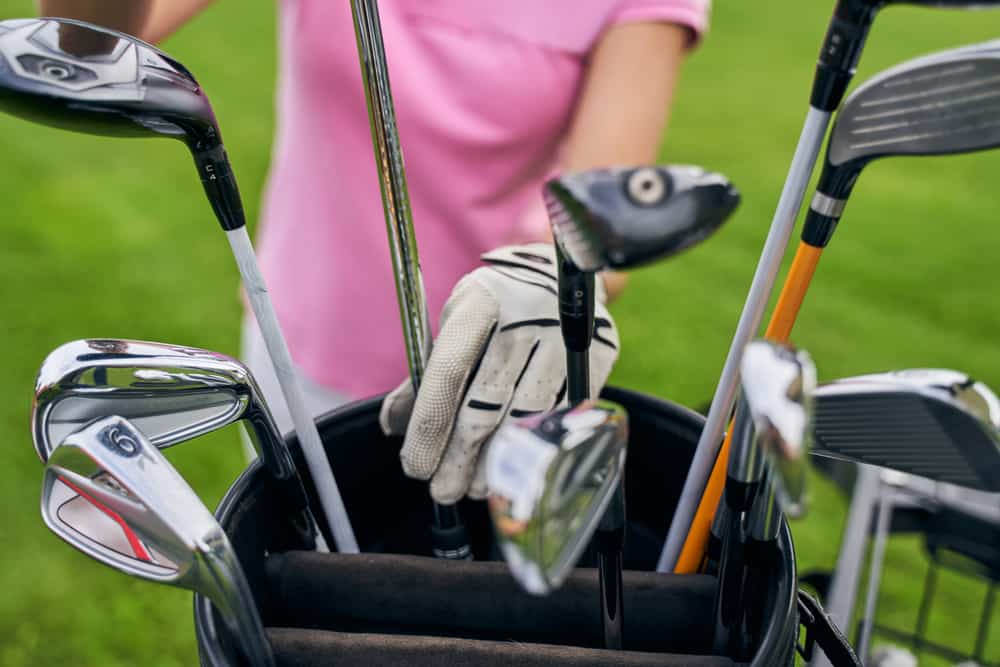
(106, 238)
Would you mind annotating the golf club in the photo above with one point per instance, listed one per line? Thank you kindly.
(77, 76)
(935, 423)
(171, 393)
(111, 494)
(554, 480)
(449, 539)
(839, 54)
(772, 426)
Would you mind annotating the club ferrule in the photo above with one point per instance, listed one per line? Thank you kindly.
(821, 221)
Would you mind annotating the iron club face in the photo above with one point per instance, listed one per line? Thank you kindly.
(778, 383)
(551, 478)
(171, 393)
(624, 217)
(109, 493)
(935, 423)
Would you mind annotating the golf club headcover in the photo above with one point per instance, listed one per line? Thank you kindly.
(499, 354)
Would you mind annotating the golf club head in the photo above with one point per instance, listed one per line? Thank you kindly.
(623, 217)
(551, 477)
(778, 383)
(171, 393)
(934, 423)
(111, 494)
(940, 104)
(85, 78)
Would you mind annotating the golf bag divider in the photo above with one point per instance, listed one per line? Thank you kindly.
(393, 604)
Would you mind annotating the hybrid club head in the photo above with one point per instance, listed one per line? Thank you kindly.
(551, 478)
(778, 383)
(109, 493)
(81, 77)
(941, 104)
(171, 393)
(935, 423)
(624, 217)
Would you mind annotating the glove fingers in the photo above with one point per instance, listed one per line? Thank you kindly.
(486, 404)
(395, 412)
(465, 332)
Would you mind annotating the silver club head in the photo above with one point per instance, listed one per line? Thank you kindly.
(171, 393)
(935, 423)
(624, 217)
(551, 478)
(111, 494)
(778, 384)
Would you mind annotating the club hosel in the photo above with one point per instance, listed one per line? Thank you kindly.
(841, 50)
(576, 305)
(220, 185)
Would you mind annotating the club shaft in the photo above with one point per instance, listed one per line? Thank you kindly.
(803, 162)
(398, 218)
(305, 427)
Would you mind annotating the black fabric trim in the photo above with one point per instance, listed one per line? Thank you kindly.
(542, 322)
(515, 265)
(483, 405)
(561, 395)
(517, 414)
(479, 361)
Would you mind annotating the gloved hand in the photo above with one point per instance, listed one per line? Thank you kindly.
(500, 352)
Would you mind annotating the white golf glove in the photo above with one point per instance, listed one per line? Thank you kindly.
(500, 352)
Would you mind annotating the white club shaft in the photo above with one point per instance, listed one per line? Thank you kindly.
(305, 427)
(806, 154)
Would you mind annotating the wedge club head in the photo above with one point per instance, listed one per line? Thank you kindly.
(624, 217)
(551, 478)
(778, 383)
(935, 423)
(111, 494)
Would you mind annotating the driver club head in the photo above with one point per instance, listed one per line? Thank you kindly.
(934, 423)
(111, 494)
(551, 478)
(620, 218)
(171, 393)
(778, 384)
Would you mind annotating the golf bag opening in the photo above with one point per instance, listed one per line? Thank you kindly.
(395, 604)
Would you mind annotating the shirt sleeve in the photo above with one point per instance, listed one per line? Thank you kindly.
(692, 14)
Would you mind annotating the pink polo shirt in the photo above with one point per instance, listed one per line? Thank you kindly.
(484, 92)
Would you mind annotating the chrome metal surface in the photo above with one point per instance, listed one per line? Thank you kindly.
(782, 224)
(551, 478)
(935, 423)
(111, 494)
(778, 383)
(392, 183)
(828, 206)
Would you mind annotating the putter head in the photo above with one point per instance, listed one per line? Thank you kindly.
(624, 217)
(940, 104)
(171, 393)
(934, 423)
(89, 79)
(110, 493)
(778, 384)
(551, 478)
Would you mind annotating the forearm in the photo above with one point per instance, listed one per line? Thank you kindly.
(151, 20)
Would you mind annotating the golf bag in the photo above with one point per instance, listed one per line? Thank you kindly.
(395, 605)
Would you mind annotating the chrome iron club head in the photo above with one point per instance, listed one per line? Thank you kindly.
(111, 494)
(624, 217)
(778, 384)
(171, 393)
(935, 423)
(551, 478)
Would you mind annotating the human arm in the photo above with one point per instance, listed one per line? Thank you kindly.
(150, 20)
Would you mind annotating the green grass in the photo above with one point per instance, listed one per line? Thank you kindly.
(106, 238)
